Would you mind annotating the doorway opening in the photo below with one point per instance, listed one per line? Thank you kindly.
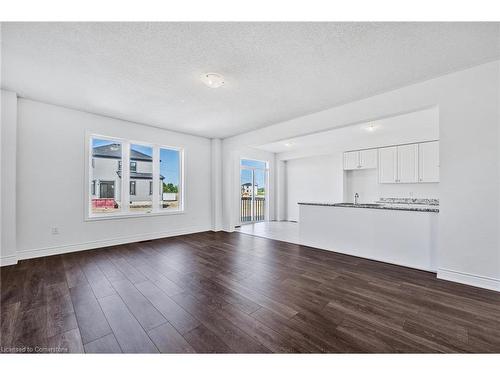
(253, 193)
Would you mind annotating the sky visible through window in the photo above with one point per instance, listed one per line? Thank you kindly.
(169, 165)
(246, 174)
(253, 163)
(169, 159)
(146, 150)
(101, 142)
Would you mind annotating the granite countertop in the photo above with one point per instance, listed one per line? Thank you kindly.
(382, 205)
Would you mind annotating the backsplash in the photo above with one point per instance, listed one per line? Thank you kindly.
(426, 201)
(365, 183)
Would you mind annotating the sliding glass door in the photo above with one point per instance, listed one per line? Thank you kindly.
(253, 184)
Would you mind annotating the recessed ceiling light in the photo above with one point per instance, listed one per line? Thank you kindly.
(213, 80)
(371, 127)
(289, 144)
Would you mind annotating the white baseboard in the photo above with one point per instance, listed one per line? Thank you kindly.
(8, 261)
(469, 279)
(55, 250)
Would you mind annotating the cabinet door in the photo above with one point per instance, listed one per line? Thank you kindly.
(351, 160)
(387, 165)
(408, 163)
(428, 162)
(368, 159)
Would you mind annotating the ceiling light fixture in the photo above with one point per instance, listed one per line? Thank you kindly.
(213, 80)
(289, 144)
(371, 127)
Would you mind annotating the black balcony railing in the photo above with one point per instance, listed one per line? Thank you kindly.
(259, 204)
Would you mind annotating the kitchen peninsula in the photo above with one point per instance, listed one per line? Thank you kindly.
(402, 232)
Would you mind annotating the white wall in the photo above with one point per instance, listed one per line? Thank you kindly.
(365, 183)
(314, 179)
(469, 249)
(468, 104)
(51, 164)
(216, 181)
(8, 134)
(281, 190)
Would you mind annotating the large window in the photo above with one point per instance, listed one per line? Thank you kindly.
(152, 183)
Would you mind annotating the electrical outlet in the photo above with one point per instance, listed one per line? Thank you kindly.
(55, 230)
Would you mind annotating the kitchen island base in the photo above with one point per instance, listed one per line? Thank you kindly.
(406, 238)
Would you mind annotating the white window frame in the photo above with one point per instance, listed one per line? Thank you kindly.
(125, 180)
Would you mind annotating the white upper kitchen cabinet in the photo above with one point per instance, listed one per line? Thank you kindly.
(428, 162)
(368, 159)
(364, 159)
(388, 165)
(351, 160)
(408, 164)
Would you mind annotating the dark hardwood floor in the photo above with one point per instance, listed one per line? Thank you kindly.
(234, 293)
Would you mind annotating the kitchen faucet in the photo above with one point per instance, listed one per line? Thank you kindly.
(356, 197)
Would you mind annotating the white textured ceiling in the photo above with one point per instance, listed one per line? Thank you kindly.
(149, 72)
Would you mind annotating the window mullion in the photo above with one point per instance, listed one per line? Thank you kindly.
(90, 171)
(181, 196)
(125, 176)
(156, 179)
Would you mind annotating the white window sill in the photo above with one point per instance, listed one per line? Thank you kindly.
(130, 215)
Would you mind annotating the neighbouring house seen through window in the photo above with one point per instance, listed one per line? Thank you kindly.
(141, 175)
(133, 166)
(105, 183)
